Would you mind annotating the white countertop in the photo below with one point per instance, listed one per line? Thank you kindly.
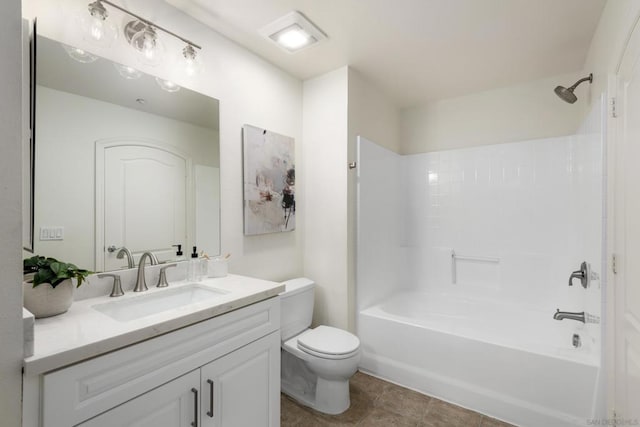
(83, 332)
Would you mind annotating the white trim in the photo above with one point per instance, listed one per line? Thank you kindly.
(101, 146)
(609, 279)
(628, 59)
(632, 44)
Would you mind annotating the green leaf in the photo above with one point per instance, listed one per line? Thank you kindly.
(56, 267)
(50, 270)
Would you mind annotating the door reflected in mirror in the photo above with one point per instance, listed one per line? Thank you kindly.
(120, 162)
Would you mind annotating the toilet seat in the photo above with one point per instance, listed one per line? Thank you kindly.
(327, 342)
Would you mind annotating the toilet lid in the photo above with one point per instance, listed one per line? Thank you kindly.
(329, 341)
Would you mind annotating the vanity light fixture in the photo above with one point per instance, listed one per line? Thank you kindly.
(141, 34)
(127, 72)
(167, 85)
(97, 30)
(144, 39)
(80, 55)
(192, 62)
(293, 32)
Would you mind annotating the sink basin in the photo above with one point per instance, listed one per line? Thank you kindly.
(147, 305)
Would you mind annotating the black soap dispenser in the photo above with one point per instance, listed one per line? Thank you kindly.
(194, 266)
(179, 253)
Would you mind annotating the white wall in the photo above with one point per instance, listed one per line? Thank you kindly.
(372, 114)
(10, 214)
(516, 113)
(250, 91)
(338, 106)
(325, 194)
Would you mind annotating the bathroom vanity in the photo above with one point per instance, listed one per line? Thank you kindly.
(212, 362)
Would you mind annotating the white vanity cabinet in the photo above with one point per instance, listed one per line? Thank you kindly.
(235, 390)
(222, 372)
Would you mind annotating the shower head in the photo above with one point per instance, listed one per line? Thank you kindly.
(567, 95)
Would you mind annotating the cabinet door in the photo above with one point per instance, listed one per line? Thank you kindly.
(174, 404)
(242, 388)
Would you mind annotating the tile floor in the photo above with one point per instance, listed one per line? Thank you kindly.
(375, 402)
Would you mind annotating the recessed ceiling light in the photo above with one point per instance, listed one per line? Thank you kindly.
(293, 32)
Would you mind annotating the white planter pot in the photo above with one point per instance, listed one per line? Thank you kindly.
(45, 301)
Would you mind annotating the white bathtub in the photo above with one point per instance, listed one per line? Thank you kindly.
(513, 364)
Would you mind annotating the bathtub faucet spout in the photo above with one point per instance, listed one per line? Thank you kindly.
(581, 316)
(559, 315)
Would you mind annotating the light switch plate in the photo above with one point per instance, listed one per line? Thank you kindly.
(52, 233)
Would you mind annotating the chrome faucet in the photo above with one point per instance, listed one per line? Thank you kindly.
(580, 316)
(559, 315)
(124, 251)
(141, 284)
(116, 291)
(162, 280)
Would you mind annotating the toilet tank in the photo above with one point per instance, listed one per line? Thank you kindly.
(296, 307)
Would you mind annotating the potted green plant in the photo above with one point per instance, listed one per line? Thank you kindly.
(48, 285)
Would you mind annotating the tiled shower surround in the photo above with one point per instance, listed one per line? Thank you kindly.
(530, 211)
(526, 211)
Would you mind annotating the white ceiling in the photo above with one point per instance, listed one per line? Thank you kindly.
(419, 50)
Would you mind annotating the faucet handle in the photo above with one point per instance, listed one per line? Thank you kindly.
(162, 280)
(116, 291)
(584, 274)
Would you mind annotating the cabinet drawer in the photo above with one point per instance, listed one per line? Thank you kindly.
(170, 405)
(81, 391)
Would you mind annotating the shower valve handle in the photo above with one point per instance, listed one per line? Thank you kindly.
(583, 274)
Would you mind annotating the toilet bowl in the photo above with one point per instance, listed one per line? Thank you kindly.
(316, 363)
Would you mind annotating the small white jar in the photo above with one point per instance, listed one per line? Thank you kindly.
(217, 267)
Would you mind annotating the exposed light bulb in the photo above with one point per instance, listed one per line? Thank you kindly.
(167, 85)
(96, 28)
(192, 61)
(80, 55)
(127, 72)
(147, 43)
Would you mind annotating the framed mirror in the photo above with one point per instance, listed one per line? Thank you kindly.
(123, 160)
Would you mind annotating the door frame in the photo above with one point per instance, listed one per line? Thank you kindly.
(629, 55)
(101, 146)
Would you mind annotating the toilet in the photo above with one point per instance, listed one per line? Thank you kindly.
(316, 363)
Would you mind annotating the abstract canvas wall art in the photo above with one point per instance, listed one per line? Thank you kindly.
(269, 181)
